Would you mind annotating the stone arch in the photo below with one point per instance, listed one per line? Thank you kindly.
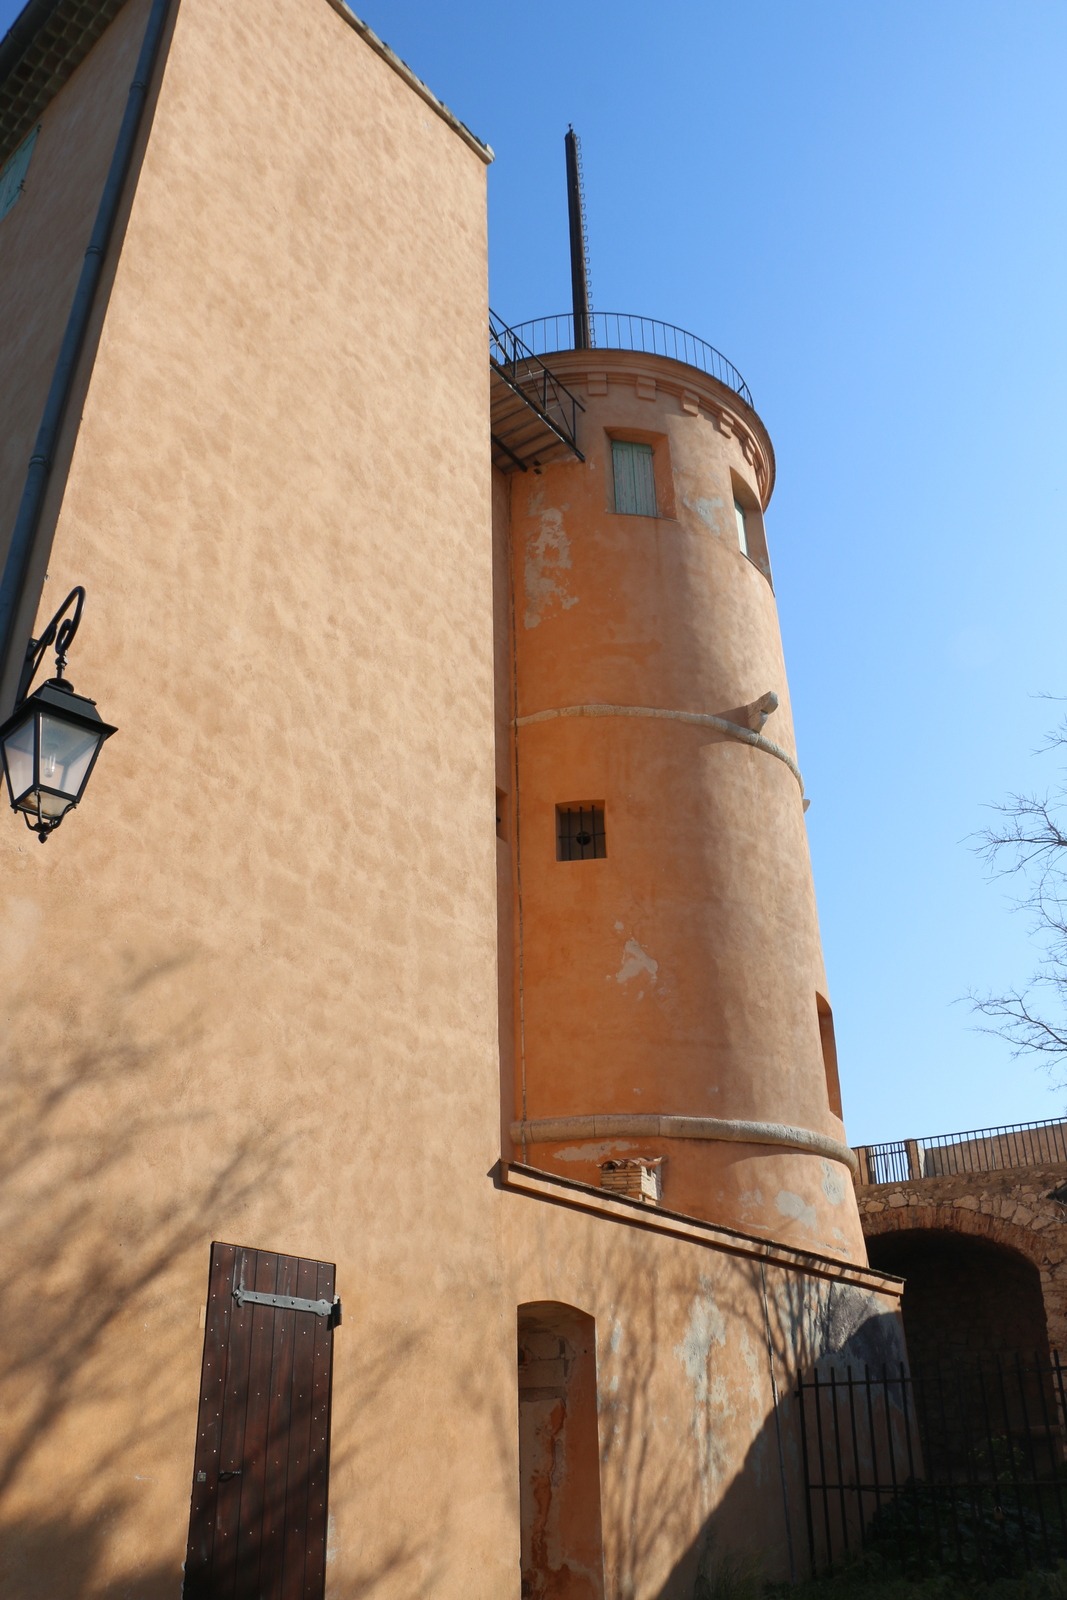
(964, 1292)
(950, 1218)
(1013, 1212)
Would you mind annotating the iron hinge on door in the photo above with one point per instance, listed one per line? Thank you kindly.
(291, 1302)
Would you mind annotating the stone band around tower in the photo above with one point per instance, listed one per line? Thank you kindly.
(550, 1130)
(732, 730)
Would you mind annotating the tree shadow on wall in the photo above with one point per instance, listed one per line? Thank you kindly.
(676, 1395)
(759, 1530)
(64, 1557)
(114, 1176)
(662, 1500)
(692, 1449)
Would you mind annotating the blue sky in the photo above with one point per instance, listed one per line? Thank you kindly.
(862, 205)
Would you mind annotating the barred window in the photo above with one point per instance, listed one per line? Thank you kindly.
(635, 483)
(580, 832)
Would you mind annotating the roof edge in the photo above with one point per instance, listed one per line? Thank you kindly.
(539, 1183)
(22, 32)
(39, 53)
(402, 70)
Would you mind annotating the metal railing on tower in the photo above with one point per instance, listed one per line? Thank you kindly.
(625, 330)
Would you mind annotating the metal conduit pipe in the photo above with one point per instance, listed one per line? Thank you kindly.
(24, 537)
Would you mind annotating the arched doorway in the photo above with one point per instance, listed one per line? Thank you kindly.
(962, 1293)
(559, 1454)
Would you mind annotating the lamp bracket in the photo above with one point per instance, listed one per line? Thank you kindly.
(61, 631)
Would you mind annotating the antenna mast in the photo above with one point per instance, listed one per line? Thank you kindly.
(583, 321)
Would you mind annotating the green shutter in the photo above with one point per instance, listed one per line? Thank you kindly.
(14, 172)
(635, 485)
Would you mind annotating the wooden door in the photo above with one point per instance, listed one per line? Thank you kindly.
(257, 1525)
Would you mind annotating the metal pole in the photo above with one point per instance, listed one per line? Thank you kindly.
(807, 1473)
(579, 269)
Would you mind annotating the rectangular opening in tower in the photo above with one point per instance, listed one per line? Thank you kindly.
(580, 831)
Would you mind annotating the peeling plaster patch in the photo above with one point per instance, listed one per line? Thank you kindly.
(711, 1392)
(750, 1200)
(592, 1152)
(635, 960)
(616, 1338)
(618, 927)
(707, 1326)
(548, 556)
(793, 1205)
(750, 1355)
(709, 512)
(844, 1240)
(834, 1184)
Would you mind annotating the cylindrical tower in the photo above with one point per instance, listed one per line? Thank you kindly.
(672, 998)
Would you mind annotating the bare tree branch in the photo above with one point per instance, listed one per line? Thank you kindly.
(1029, 843)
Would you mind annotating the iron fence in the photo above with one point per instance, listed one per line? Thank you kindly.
(622, 330)
(1016, 1144)
(956, 1465)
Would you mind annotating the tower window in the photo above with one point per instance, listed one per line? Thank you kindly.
(742, 530)
(13, 172)
(635, 483)
(580, 832)
(829, 1053)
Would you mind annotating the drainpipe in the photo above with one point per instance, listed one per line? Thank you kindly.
(17, 568)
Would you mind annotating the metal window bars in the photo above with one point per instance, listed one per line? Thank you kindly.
(624, 330)
(580, 833)
(1015, 1144)
(955, 1464)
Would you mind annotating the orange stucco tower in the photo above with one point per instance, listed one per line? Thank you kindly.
(670, 986)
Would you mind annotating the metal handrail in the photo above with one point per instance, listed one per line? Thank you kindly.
(624, 330)
(1014, 1144)
(527, 374)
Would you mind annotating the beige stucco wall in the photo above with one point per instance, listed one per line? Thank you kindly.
(267, 938)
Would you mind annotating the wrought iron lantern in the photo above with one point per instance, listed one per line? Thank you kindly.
(51, 740)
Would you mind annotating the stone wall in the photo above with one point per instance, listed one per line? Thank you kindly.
(1013, 1208)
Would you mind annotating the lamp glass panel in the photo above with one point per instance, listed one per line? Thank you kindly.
(66, 752)
(52, 805)
(18, 751)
